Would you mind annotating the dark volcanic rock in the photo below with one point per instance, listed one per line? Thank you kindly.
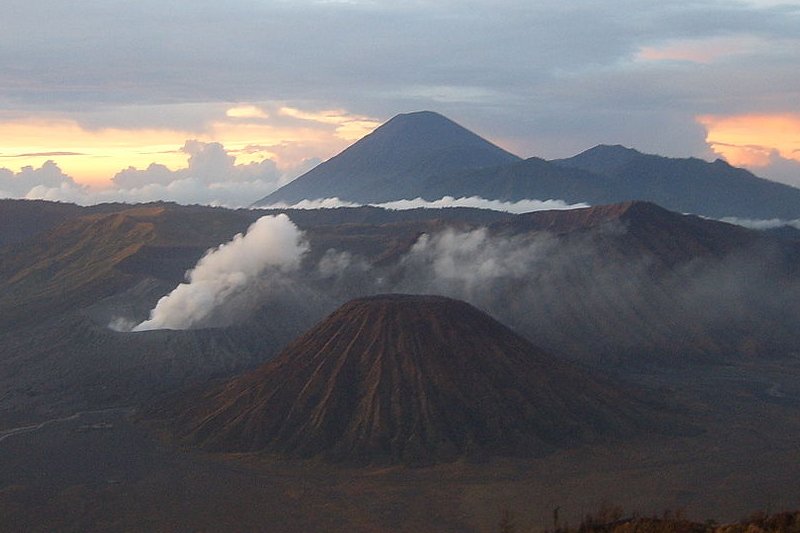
(412, 379)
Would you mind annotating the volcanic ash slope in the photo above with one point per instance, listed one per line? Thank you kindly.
(415, 380)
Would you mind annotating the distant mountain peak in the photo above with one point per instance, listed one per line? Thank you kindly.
(426, 122)
(391, 162)
(604, 158)
(612, 148)
(424, 131)
(684, 184)
(419, 115)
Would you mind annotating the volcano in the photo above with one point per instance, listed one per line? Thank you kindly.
(392, 162)
(410, 379)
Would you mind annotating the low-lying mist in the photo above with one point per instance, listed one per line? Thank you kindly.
(520, 206)
(585, 295)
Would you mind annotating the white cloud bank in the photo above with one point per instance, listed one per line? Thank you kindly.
(762, 224)
(521, 206)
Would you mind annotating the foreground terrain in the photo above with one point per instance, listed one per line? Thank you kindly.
(697, 313)
(105, 471)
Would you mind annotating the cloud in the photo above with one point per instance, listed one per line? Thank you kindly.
(209, 163)
(246, 111)
(323, 203)
(759, 224)
(465, 263)
(93, 146)
(46, 154)
(581, 294)
(188, 191)
(704, 51)
(349, 127)
(583, 81)
(155, 173)
(48, 176)
(768, 144)
(522, 206)
(567, 293)
(230, 280)
(212, 177)
(749, 139)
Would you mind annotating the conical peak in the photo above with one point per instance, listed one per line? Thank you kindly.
(428, 130)
(395, 161)
(420, 119)
(408, 379)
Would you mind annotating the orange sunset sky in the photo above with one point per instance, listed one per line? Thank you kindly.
(94, 156)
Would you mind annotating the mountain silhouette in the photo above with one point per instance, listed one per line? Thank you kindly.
(615, 174)
(425, 155)
(391, 162)
(532, 178)
(411, 379)
(687, 185)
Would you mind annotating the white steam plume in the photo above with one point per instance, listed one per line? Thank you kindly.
(464, 264)
(225, 277)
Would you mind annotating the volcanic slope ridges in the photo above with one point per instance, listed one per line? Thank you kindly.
(415, 380)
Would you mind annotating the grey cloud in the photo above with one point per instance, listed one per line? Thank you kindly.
(476, 202)
(212, 178)
(783, 170)
(296, 46)
(569, 294)
(209, 163)
(154, 174)
(559, 71)
(18, 184)
(45, 154)
(762, 224)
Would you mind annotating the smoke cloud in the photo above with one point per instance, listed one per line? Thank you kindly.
(598, 296)
(226, 282)
(466, 264)
(588, 296)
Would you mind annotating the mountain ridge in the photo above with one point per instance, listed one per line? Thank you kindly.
(426, 155)
(689, 185)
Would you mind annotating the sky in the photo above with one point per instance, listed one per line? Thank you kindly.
(222, 102)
